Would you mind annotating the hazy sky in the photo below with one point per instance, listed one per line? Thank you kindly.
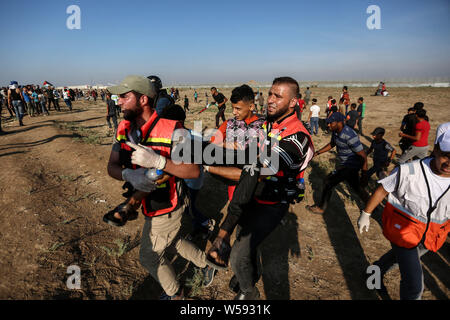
(223, 41)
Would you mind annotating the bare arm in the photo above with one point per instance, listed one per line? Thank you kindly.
(231, 173)
(327, 148)
(364, 156)
(375, 199)
(114, 167)
(415, 138)
(183, 170)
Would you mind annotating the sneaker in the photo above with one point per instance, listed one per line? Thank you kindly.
(208, 275)
(178, 296)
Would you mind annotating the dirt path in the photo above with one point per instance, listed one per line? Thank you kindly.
(54, 190)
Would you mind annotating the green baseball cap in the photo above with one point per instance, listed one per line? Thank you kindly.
(135, 83)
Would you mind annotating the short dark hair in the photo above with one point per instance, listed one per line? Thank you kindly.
(314, 100)
(242, 93)
(353, 105)
(289, 81)
(333, 101)
(418, 106)
(361, 99)
(213, 88)
(411, 109)
(421, 113)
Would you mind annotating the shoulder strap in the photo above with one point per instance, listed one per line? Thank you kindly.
(151, 128)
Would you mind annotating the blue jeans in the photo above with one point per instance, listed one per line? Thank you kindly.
(43, 107)
(314, 123)
(408, 260)
(18, 108)
(68, 103)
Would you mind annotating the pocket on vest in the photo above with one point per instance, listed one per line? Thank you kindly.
(400, 228)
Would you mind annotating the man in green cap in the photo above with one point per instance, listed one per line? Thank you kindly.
(165, 199)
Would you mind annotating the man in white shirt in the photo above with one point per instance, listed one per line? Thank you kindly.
(416, 215)
(313, 118)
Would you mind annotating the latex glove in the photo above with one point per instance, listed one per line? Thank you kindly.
(146, 157)
(138, 179)
(364, 221)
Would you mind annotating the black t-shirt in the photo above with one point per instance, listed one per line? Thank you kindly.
(353, 117)
(219, 98)
(409, 121)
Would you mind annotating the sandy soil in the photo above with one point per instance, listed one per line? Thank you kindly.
(54, 190)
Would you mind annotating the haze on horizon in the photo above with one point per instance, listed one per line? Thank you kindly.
(223, 42)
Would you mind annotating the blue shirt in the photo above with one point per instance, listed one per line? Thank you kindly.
(347, 144)
(25, 96)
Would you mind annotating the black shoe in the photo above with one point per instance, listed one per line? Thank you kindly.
(254, 295)
(234, 284)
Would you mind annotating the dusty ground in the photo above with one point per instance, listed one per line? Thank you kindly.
(54, 190)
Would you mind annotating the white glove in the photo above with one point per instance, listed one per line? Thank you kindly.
(138, 179)
(364, 221)
(146, 157)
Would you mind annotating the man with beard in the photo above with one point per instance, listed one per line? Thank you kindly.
(260, 203)
(164, 202)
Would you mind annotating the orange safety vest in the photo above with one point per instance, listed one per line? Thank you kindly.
(289, 126)
(157, 134)
(409, 217)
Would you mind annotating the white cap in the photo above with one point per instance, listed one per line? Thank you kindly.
(441, 129)
(444, 141)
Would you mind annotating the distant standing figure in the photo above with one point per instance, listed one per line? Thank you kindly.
(221, 101)
(361, 114)
(419, 147)
(345, 99)
(195, 96)
(261, 101)
(352, 116)
(314, 112)
(186, 103)
(307, 96)
(111, 112)
(67, 100)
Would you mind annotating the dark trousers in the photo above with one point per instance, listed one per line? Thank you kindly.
(220, 114)
(114, 120)
(408, 260)
(254, 226)
(360, 127)
(350, 175)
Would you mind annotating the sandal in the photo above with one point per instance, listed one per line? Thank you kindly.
(314, 209)
(126, 212)
(223, 250)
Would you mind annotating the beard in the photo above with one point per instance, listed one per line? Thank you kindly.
(131, 115)
(277, 115)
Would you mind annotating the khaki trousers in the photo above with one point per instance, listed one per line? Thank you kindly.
(158, 235)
